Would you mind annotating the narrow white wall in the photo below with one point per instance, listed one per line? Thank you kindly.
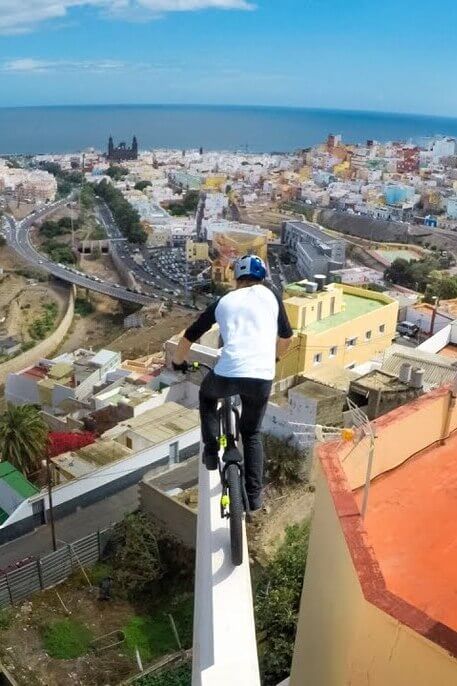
(436, 342)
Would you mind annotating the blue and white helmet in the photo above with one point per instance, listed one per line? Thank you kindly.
(251, 267)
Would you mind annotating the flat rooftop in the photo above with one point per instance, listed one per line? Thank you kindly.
(410, 524)
(162, 423)
(354, 306)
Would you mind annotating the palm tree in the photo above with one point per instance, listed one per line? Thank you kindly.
(23, 437)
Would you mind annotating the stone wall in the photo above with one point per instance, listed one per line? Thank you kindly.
(44, 348)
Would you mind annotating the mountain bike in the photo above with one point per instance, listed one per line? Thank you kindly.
(234, 500)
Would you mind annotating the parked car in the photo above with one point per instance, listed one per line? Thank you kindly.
(407, 329)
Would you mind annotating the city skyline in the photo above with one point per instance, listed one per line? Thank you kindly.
(228, 52)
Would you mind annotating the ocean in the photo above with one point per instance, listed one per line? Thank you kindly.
(256, 129)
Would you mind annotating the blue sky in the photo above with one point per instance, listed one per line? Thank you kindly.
(397, 55)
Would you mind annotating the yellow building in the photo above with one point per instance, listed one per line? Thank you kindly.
(342, 169)
(231, 245)
(338, 325)
(215, 183)
(379, 602)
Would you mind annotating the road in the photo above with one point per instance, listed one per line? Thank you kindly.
(69, 529)
(17, 235)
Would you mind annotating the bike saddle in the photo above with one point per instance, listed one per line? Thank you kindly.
(232, 456)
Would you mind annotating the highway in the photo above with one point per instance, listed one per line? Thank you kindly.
(18, 238)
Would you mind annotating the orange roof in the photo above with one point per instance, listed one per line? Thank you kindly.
(410, 522)
(405, 550)
(37, 372)
(449, 351)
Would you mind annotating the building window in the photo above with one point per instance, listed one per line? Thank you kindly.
(319, 311)
(174, 453)
(332, 305)
(351, 342)
(382, 328)
(317, 358)
(128, 442)
(368, 335)
(333, 351)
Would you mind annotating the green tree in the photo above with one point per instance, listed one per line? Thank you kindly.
(141, 185)
(116, 172)
(87, 196)
(126, 217)
(442, 286)
(23, 437)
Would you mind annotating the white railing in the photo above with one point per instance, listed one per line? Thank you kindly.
(225, 647)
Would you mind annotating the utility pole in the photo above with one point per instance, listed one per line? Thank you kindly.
(435, 309)
(51, 508)
(186, 286)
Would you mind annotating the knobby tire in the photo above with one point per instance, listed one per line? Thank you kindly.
(236, 514)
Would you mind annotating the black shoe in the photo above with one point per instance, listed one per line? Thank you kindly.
(210, 459)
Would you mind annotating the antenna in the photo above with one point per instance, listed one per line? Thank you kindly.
(362, 422)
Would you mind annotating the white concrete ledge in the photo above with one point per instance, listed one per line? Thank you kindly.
(225, 648)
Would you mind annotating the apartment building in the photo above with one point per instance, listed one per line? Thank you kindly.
(335, 325)
(316, 252)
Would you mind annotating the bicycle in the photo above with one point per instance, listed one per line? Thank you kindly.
(234, 500)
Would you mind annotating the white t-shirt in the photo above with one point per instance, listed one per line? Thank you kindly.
(250, 320)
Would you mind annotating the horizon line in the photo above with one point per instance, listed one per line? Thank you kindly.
(233, 106)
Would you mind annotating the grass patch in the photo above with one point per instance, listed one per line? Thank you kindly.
(99, 571)
(67, 639)
(153, 635)
(177, 676)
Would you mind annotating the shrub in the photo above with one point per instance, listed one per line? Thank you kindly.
(277, 604)
(176, 676)
(141, 553)
(83, 307)
(40, 327)
(135, 555)
(141, 185)
(67, 639)
(285, 464)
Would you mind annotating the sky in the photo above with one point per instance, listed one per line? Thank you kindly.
(394, 56)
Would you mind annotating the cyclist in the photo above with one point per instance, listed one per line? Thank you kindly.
(255, 333)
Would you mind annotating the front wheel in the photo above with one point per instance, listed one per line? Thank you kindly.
(233, 478)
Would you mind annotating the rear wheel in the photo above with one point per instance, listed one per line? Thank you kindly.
(232, 476)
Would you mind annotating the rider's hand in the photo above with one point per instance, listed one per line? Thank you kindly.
(180, 367)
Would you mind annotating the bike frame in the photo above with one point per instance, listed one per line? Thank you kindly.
(229, 434)
(229, 453)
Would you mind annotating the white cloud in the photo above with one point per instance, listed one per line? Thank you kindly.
(28, 65)
(22, 16)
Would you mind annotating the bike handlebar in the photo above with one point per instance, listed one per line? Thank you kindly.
(186, 367)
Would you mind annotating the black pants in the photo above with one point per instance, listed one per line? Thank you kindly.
(254, 394)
